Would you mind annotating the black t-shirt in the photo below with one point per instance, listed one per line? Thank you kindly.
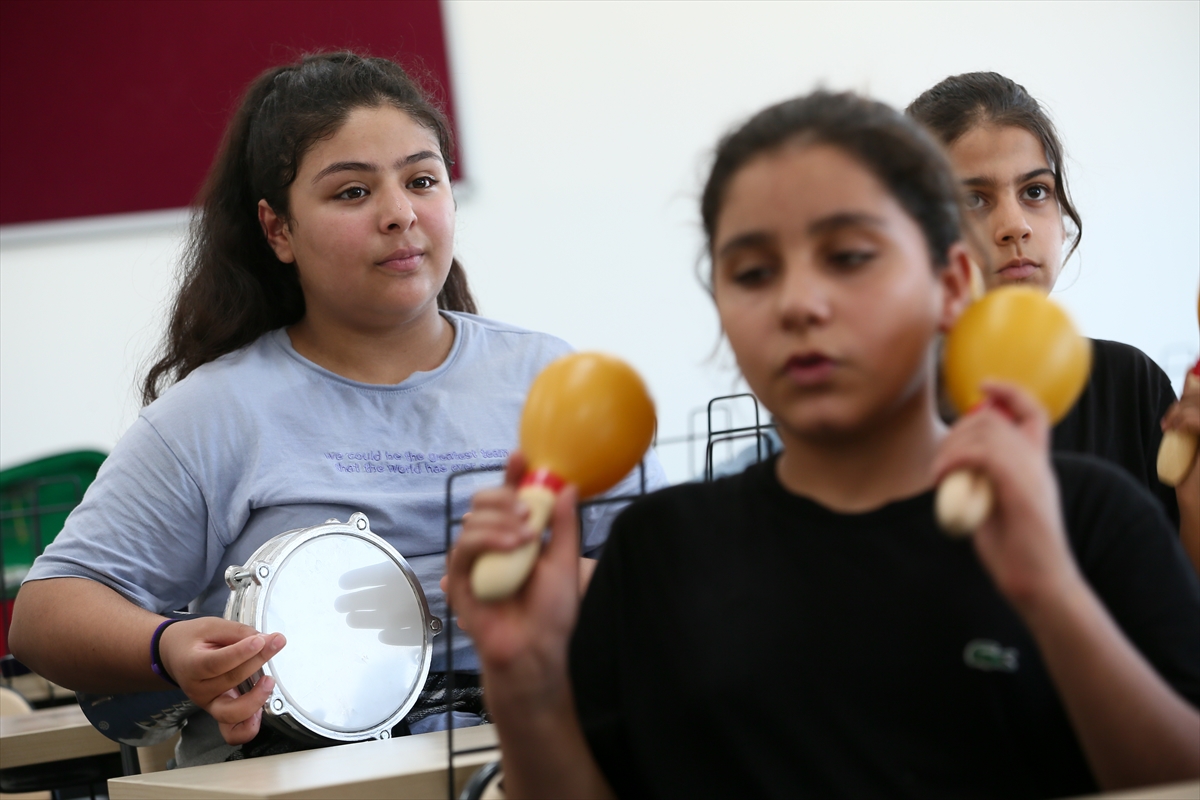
(1118, 417)
(741, 641)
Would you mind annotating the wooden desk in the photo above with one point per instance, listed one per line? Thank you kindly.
(49, 735)
(37, 689)
(53, 734)
(407, 766)
(1189, 790)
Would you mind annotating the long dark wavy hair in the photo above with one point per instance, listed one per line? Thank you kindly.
(962, 102)
(232, 287)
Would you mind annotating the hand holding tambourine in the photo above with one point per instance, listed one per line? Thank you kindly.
(1016, 335)
(588, 421)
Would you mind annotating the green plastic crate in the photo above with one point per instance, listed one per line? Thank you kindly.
(35, 499)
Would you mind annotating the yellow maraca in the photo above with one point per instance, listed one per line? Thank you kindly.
(588, 420)
(1017, 335)
(1177, 450)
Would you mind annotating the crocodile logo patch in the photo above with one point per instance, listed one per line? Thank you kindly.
(989, 656)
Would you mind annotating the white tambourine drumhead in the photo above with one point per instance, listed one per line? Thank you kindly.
(359, 632)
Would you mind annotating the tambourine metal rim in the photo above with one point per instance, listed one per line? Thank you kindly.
(249, 581)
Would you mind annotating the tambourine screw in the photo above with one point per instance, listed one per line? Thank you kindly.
(234, 575)
(264, 571)
(385, 734)
(361, 524)
(277, 704)
(435, 625)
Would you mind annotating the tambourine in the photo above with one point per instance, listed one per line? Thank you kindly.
(359, 632)
(359, 640)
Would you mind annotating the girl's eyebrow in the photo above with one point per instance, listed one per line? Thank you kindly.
(754, 240)
(363, 166)
(846, 219)
(987, 181)
(759, 239)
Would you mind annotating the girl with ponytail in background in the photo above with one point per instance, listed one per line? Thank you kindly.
(1011, 165)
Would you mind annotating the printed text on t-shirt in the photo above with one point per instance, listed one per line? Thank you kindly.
(407, 462)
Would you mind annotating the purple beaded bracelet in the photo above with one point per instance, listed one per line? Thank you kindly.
(155, 657)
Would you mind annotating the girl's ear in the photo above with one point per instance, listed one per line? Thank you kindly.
(276, 231)
(978, 286)
(960, 285)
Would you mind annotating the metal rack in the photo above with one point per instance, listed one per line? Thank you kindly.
(764, 444)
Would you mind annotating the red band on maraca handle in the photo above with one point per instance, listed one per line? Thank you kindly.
(987, 403)
(1195, 370)
(544, 477)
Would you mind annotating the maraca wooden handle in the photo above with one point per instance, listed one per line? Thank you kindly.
(1177, 450)
(496, 576)
(964, 501)
(1175, 456)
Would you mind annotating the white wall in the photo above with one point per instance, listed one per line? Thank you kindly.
(587, 128)
(82, 305)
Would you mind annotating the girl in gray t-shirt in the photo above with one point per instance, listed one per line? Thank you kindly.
(323, 357)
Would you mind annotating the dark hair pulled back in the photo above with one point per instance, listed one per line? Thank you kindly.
(893, 148)
(232, 287)
(962, 102)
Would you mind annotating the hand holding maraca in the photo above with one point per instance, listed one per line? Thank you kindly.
(1014, 335)
(522, 641)
(1179, 461)
(1177, 453)
(533, 624)
(588, 421)
(1021, 541)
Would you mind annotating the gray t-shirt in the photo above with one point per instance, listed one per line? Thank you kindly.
(263, 441)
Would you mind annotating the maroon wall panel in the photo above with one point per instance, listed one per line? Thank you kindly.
(109, 107)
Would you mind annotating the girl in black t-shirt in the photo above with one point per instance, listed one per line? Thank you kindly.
(802, 628)
(1007, 155)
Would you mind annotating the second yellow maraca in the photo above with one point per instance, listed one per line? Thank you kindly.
(588, 420)
(1016, 335)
